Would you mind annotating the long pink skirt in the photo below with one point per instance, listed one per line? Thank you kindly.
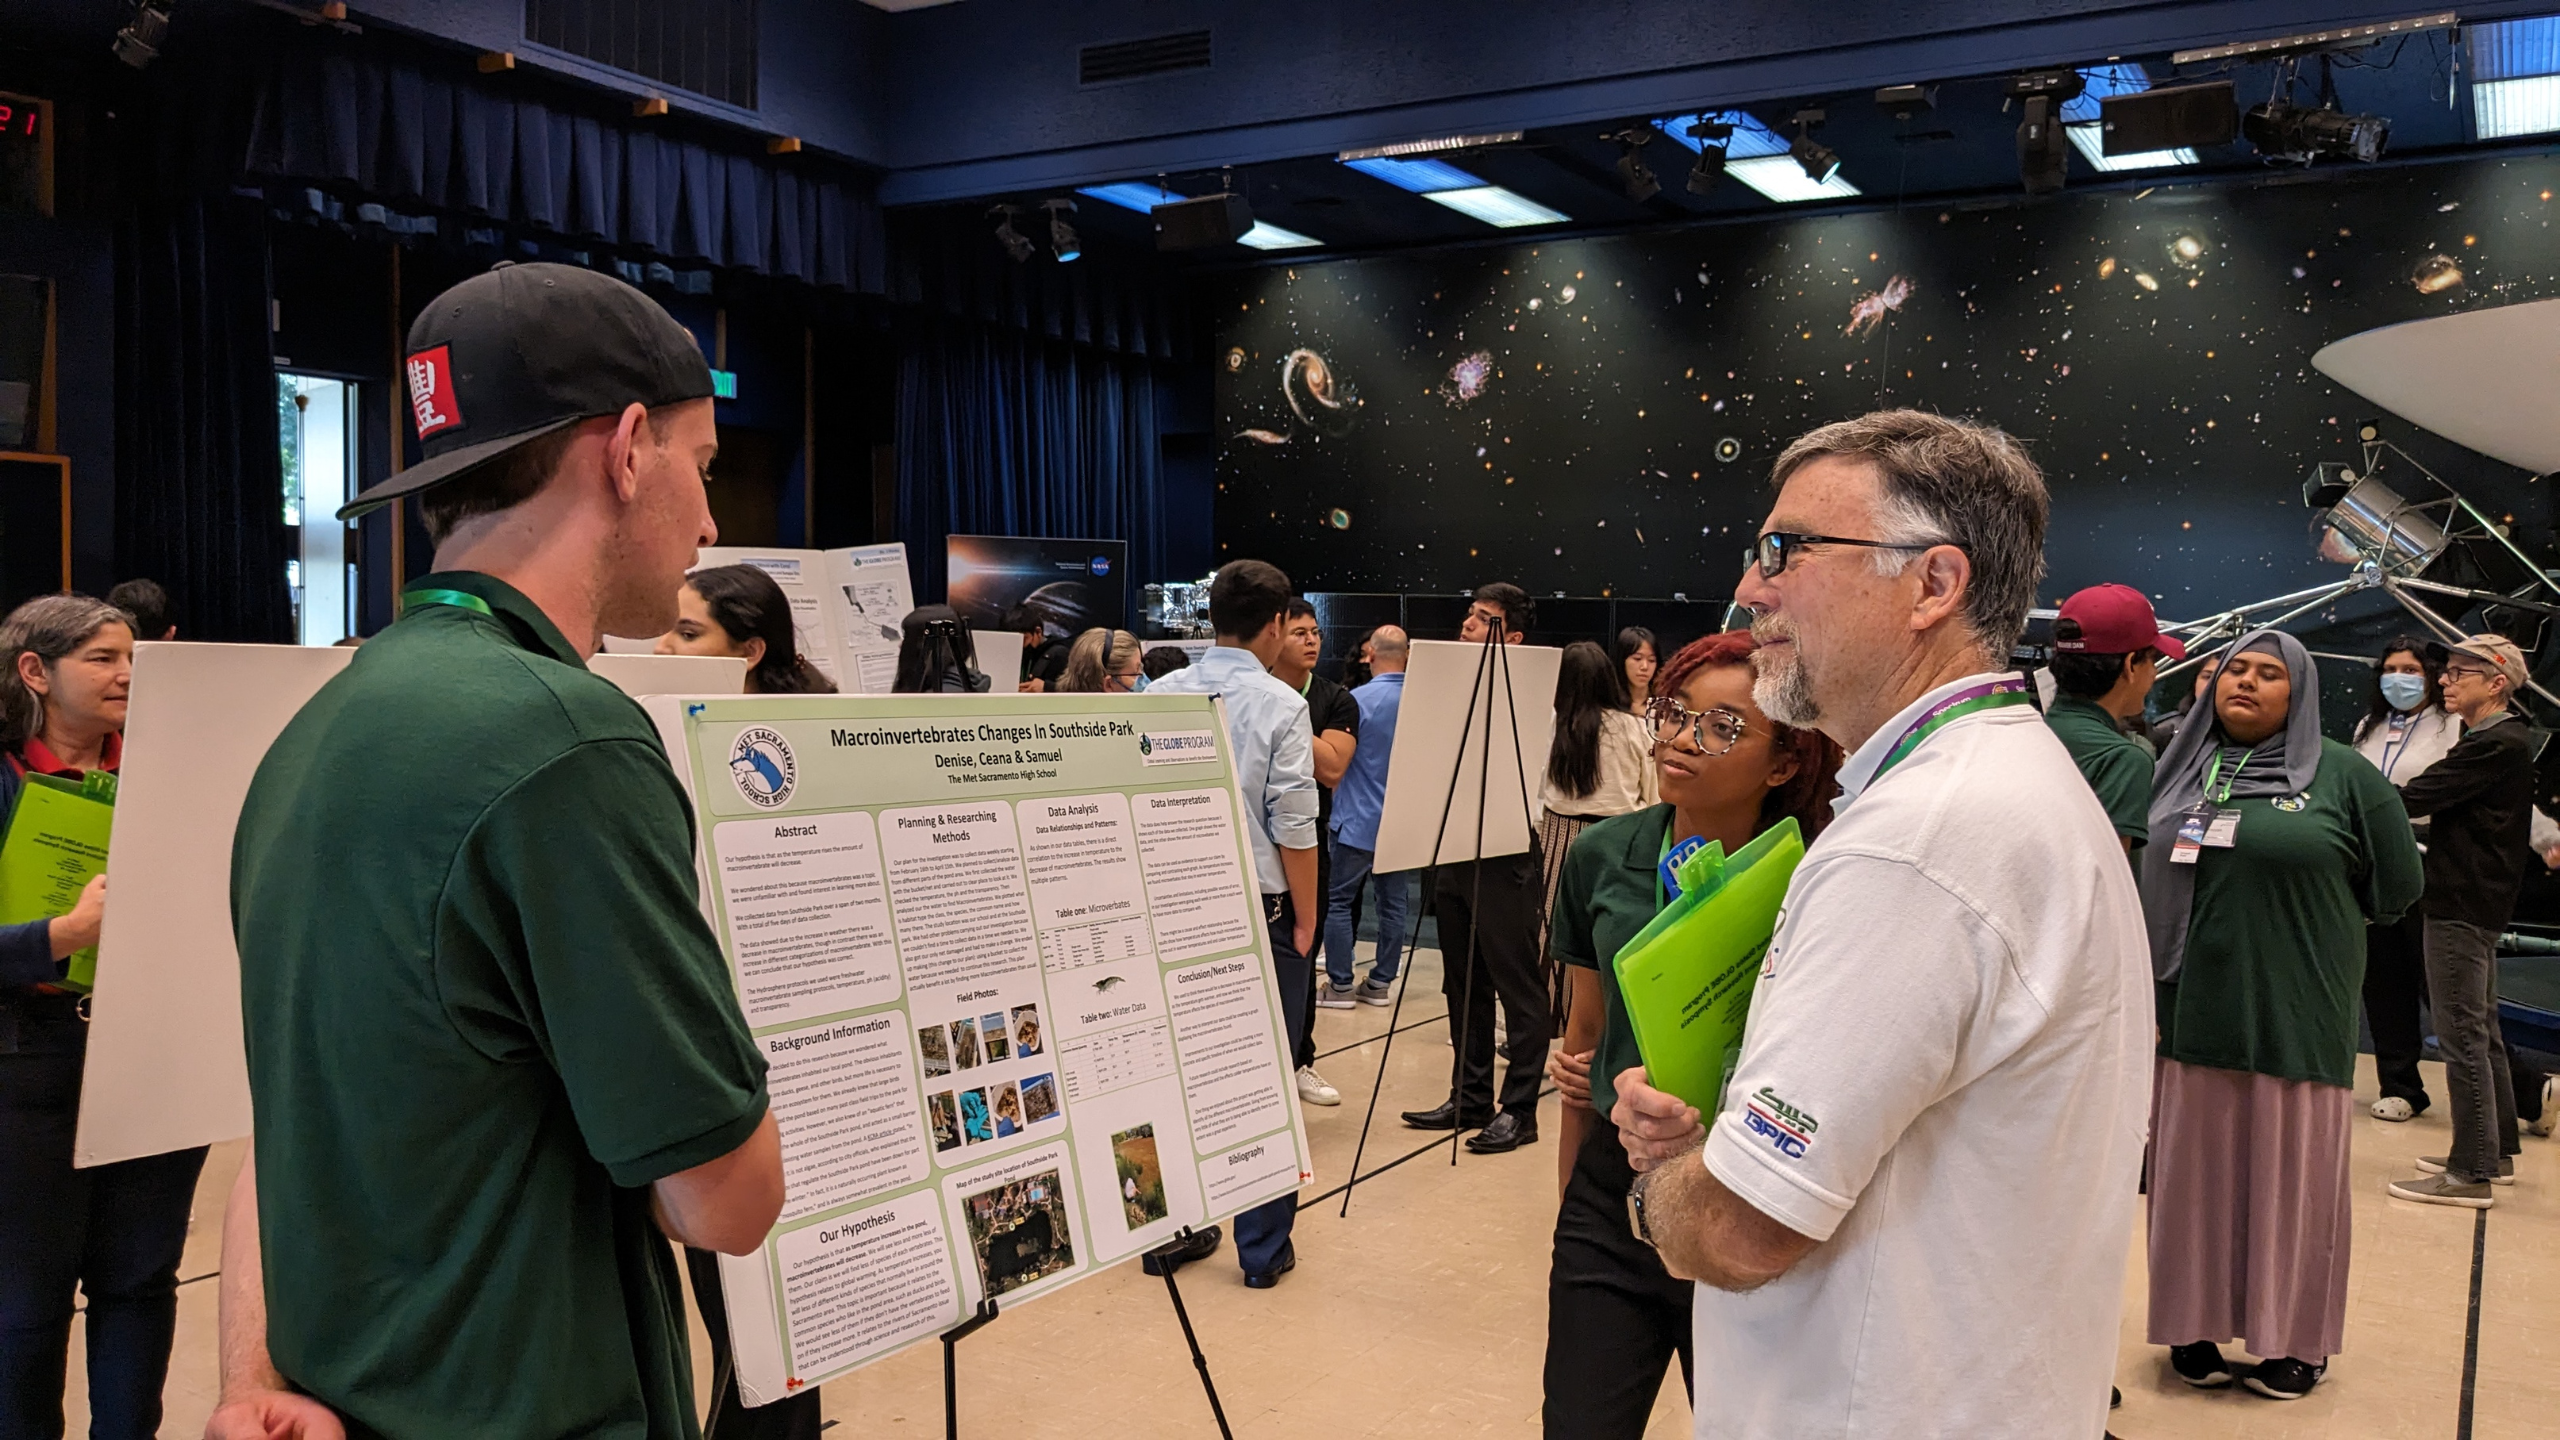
(2250, 1214)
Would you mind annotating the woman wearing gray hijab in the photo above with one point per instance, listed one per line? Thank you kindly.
(2271, 847)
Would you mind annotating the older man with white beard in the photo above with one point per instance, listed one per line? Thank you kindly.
(1909, 1217)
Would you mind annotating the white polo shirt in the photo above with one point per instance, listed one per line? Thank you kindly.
(1946, 1080)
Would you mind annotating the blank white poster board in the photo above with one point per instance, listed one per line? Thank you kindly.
(1000, 656)
(1436, 735)
(166, 1069)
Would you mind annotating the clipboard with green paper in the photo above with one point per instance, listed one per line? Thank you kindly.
(1686, 977)
(56, 842)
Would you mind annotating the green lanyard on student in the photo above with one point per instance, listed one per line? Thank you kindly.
(459, 599)
(2213, 773)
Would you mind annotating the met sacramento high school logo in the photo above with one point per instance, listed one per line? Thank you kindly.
(760, 764)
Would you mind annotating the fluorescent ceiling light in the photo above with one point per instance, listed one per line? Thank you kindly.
(1266, 236)
(1445, 184)
(1419, 176)
(1758, 157)
(1131, 195)
(2080, 117)
(2514, 49)
(1781, 179)
(1428, 147)
(2529, 105)
(1496, 206)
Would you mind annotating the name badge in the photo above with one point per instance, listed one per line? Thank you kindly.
(2223, 830)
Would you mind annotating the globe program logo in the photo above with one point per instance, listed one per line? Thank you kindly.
(760, 764)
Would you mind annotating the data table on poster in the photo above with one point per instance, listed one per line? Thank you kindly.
(1003, 958)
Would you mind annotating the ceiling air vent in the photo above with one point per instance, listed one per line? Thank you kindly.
(1138, 59)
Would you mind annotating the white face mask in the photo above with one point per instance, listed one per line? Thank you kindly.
(2403, 692)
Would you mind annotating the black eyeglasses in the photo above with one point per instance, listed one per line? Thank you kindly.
(1710, 732)
(1772, 551)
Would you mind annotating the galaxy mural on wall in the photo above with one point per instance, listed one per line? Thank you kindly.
(1599, 416)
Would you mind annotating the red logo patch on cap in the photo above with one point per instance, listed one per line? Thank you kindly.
(431, 391)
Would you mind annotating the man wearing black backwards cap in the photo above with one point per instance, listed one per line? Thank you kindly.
(492, 1045)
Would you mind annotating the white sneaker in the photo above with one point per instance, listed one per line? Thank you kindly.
(2550, 1107)
(1334, 997)
(2392, 1107)
(1313, 1090)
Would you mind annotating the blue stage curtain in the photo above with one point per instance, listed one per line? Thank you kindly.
(1000, 432)
(199, 496)
(424, 134)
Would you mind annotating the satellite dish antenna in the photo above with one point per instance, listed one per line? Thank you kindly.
(2483, 379)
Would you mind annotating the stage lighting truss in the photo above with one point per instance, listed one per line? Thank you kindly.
(2389, 541)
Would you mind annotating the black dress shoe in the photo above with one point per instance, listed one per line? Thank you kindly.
(1443, 1117)
(1288, 1262)
(1165, 1259)
(1508, 1132)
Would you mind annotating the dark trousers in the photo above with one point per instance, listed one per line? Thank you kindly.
(1302, 1035)
(1615, 1317)
(114, 1233)
(795, 1418)
(1494, 903)
(2462, 979)
(2395, 985)
(1262, 1233)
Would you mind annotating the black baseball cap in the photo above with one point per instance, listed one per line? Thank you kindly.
(512, 355)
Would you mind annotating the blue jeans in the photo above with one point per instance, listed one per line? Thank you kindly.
(1395, 898)
(113, 1232)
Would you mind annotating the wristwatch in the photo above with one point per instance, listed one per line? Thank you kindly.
(1635, 1209)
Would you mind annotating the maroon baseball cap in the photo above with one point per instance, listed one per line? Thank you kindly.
(2116, 620)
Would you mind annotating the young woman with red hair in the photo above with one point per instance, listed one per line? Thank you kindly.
(1727, 772)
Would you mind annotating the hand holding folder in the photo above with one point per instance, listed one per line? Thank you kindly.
(1686, 978)
(55, 844)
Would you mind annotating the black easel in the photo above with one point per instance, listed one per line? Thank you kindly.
(1199, 1361)
(952, 1337)
(1491, 661)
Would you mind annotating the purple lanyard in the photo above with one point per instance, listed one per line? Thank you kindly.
(1989, 695)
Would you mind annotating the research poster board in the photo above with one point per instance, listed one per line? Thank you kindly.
(165, 1068)
(1439, 731)
(999, 655)
(846, 605)
(1007, 965)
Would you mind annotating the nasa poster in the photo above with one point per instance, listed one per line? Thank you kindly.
(1062, 587)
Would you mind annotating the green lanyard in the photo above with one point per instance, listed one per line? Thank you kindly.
(2213, 773)
(458, 599)
(1973, 699)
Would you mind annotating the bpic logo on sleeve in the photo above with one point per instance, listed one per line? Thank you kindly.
(1788, 1130)
(431, 391)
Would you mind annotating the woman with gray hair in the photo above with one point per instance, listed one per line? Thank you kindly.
(2271, 848)
(112, 1232)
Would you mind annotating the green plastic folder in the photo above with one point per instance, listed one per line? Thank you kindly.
(56, 841)
(1686, 978)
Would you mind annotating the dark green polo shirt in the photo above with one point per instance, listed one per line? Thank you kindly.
(1606, 894)
(2275, 932)
(2114, 766)
(483, 1013)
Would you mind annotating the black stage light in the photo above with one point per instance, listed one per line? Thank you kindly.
(1015, 243)
(1062, 236)
(1636, 175)
(2044, 152)
(1819, 162)
(2290, 132)
(139, 42)
(1710, 135)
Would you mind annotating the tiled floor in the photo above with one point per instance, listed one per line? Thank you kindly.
(1423, 1314)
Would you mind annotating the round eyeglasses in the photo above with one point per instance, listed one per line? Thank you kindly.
(1710, 732)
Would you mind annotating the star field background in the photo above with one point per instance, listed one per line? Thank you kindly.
(2152, 349)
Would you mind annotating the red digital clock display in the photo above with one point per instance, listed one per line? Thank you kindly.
(26, 154)
(19, 121)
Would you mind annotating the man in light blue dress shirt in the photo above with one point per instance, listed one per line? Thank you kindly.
(1274, 754)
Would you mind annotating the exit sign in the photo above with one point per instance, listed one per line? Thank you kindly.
(724, 384)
